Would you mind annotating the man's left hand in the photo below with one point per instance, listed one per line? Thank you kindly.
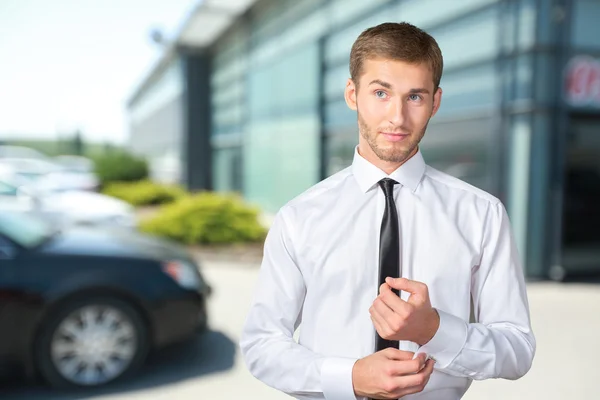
(395, 319)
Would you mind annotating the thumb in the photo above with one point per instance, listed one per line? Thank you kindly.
(392, 353)
(412, 287)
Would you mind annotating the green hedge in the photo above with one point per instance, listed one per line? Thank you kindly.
(144, 193)
(120, 166)
(207, 218)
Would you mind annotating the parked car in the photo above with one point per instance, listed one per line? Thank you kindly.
(59, 173)
(83, 307)
(51, 175)
(73, 207)
(12, 151)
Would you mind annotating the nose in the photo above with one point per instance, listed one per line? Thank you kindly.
(396, 112)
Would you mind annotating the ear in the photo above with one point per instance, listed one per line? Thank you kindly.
(437, 101)
(350, 94)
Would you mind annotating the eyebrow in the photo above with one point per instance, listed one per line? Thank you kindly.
(419, 90)
(389, 86)
(381, 83)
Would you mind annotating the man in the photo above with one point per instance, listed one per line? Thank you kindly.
(338, 255)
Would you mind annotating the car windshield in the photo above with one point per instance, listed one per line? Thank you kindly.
(24, 229)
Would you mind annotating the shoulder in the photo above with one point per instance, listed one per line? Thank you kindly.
(317, 196)
(459, 187)
(322, 190)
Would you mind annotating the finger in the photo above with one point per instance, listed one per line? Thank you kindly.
(399, 355)
(395, 303)
(429, 365)
(377, 326)
(406, 367)
(413, 287)
(380, 323)
(416, 382)
(391, 320)
(383, 308)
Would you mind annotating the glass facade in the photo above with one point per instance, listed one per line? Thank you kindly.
(156, 123)
(279, 122)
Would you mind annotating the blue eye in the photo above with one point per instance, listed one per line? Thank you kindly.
(380, 94)
(415, 97)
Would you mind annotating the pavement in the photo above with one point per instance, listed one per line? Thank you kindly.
(565, 317)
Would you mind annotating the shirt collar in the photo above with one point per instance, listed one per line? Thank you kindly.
(408, 174)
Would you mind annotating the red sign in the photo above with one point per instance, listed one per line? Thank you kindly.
(583, 82)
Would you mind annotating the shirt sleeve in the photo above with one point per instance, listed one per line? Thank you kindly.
(501, 344)
(267, 344)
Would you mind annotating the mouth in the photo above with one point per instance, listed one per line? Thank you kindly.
(394, 137)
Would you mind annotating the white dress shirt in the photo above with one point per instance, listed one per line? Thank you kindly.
(320, 273)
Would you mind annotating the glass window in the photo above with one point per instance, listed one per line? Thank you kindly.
(524, 77)
(469, 40)
(544, 71)
(226, 94)
(338, 45)
(289, 85)
(338, 113)
(508, 26)
(342, 11)
(527, 24)
(340, 149)
(469, 89)
(586, 29)
(335, 82)
(309, 28)
(281, 159)
(227, 116)
(288, 20)
(427, 13)
(225, 73)
(227, 169)
(581, 216)
(283, 129)
(168, 86)
(461, 149)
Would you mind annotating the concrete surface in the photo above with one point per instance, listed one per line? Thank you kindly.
(566, 319)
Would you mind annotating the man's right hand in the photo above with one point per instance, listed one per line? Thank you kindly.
(390, 374)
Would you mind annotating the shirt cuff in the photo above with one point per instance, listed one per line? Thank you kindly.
(447, 342)
(336, 378)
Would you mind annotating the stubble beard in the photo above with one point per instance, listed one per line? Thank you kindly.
(395, 153)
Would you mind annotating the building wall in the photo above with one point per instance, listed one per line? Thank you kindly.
(290, 126)
(156, 124)
(279, 123)
(278, 84)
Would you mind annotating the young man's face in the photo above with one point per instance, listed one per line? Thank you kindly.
(394, 101)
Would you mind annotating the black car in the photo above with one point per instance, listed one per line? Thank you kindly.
(82, 307)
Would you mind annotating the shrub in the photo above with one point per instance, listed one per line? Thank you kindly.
(207, 218)
(144, 193)
(120, 166)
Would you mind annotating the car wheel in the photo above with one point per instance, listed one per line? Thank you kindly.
(91, 342)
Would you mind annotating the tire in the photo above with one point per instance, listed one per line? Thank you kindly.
(112, 344)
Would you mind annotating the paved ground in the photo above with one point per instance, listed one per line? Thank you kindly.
(566, 320)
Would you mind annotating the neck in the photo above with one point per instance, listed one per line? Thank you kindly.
(386, 166)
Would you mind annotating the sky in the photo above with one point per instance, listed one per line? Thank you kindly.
(73, 64)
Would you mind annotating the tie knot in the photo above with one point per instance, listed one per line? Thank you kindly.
(387, 185)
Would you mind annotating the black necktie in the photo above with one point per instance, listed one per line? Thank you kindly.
(389, 247)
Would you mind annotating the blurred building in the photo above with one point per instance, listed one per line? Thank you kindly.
(249, 98)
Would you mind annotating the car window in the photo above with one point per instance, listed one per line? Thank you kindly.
(7, 190)
(25, 229)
